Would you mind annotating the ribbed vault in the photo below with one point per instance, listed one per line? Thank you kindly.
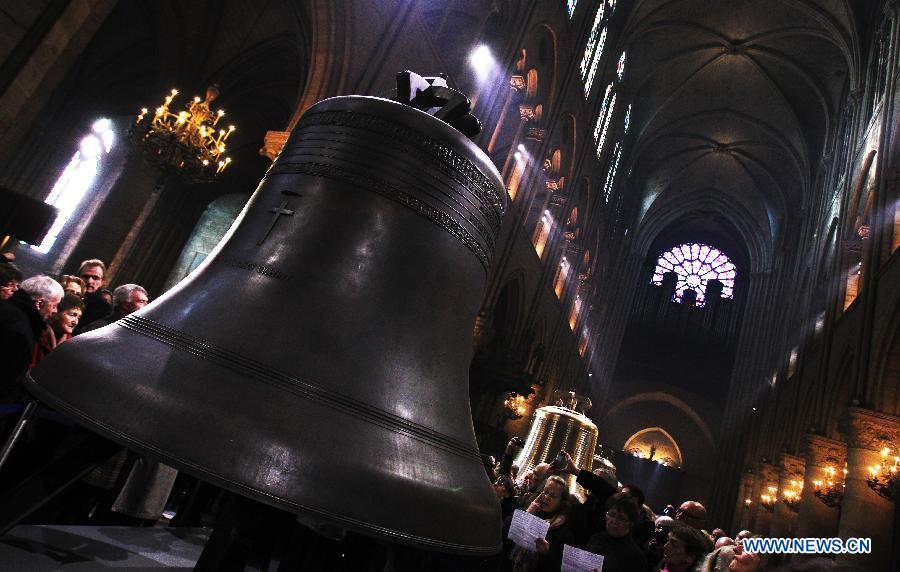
(735, 104)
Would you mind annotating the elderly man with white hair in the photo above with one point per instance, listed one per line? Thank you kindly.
(23, 323)
(127, 299)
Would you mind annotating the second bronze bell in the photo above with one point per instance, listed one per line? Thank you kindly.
(318, 360)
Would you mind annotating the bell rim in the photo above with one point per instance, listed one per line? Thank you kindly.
(196, 470)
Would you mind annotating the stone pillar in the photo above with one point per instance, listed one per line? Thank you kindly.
(745, 503)
(865, 514)
(815, 518)
(762, 518)
(784, 519)
(273, 143)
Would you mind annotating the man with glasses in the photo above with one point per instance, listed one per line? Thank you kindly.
(93, 272)
(10, 277)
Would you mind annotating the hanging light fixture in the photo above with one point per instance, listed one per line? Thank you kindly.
(190, 143)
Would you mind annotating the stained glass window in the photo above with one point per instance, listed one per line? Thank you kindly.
(620, 67)
(570, 6)
(696, 264)
(606, 113)
(595, 63)
(77, 179)
(604, 105)
(611, 174)
(628, 118)
(591, 43)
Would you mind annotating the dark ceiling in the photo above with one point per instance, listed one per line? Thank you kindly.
(735, 104)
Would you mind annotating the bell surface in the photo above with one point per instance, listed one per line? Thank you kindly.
(318, 359)
(556, 429)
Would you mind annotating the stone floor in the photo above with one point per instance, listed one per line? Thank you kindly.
(103, 548)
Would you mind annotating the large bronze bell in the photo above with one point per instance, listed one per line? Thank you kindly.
(318, 359)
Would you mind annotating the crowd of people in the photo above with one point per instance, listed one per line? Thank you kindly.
(37, 314)
(613, 520)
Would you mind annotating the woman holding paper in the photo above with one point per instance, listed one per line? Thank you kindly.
(551, 505)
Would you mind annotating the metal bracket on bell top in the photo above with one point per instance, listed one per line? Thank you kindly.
(433, 96)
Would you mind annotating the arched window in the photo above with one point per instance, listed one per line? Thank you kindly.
(696, 264)
(608, 107)
(588, 55)
(611, 174)
(77, 178)
(614, 165)
(559, 284)
(515, 178)
(590, 71)
(576, 310)
(543, 232)
(602, 126)
(570, 6)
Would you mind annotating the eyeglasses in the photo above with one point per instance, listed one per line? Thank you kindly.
(618, 517)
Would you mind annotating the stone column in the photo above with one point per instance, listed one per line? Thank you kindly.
(816, 519)
(273, 143)
(744, 511)
(784, 519)
(762, 518)
(865, 514)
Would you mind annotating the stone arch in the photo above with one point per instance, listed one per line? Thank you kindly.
(669, 399)
(507, 312)
(665, 444)
(330, 35)
(836, 394)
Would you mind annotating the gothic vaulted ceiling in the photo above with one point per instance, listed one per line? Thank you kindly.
(735, 103)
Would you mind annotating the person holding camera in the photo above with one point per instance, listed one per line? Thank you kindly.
(588, 518)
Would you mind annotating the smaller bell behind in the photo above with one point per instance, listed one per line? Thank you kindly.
(558, 428)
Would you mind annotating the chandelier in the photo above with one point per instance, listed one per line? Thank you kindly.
(515, 406)
(829, 491)
(884, 478)
(791, 496)
(189, 142)
(767, 500)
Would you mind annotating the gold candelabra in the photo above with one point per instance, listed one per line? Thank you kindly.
(767, 500)
(190, 141)
(515, 406)
(829, 491)
(884, 477)
(791, 496)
